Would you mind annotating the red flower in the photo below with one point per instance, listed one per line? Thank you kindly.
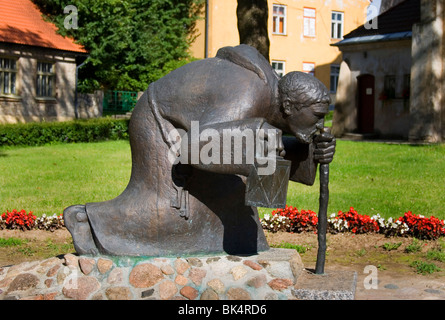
(18, 220)
(306, 220)
(358, 223)
(422, 227)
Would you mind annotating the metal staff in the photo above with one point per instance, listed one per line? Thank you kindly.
(322, 218)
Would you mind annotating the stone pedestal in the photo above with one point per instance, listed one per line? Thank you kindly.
(269, 275)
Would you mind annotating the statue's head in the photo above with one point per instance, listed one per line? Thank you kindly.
(304, 102)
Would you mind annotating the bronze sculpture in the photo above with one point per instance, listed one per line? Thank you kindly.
(187, 191)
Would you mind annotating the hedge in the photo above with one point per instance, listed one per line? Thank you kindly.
(41, 133)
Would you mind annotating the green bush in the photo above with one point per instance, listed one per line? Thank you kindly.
(41, 133)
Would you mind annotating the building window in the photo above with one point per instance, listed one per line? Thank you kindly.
(278, 66)
(406, 86)
(8, 76)
(45, 79)
(279, 19)
(309, 22)
(335, 71)
(337, 25)
(309, 67)
(390, 87)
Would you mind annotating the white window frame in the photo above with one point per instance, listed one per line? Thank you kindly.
(280, 71)
(45, 80)
(337, 26)
(334, 77)
(309, 67)
(8, 76)
(276, 17)
(309, 22)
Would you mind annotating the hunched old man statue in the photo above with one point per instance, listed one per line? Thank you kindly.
(192, 190)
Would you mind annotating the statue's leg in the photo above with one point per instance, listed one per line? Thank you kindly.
(76, 221)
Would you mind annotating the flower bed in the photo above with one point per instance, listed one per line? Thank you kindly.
(27, 221)
(422, 227)
(290, 219)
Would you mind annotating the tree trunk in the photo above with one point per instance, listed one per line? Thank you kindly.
(252, 24)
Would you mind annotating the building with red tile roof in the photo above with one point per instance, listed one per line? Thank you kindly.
(37, 67)
(21, 22)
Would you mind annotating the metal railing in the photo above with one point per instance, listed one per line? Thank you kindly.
(119, 102)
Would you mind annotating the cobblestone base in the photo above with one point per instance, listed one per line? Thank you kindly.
(270, 275)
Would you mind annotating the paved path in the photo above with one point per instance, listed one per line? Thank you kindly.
(399, 286)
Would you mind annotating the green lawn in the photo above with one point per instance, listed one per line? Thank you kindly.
(47, 179)
(371, 177)
(380, 178)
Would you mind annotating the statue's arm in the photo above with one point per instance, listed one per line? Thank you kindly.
(304, 166)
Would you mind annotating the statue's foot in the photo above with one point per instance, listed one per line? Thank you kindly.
(76, 221)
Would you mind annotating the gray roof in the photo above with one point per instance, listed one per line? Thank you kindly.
(394, 24)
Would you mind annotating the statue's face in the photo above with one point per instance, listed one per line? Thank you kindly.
(305, 121)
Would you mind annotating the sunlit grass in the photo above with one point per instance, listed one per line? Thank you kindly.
(380, 178)
(47, 179)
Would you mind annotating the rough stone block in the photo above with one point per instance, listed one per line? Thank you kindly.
(145, 275)
(189, 292)
(332, 285)
(104, 265)
(86, 265)
(167, 289)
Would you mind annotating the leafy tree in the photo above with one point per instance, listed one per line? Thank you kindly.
(131, 43)
(252, 24)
